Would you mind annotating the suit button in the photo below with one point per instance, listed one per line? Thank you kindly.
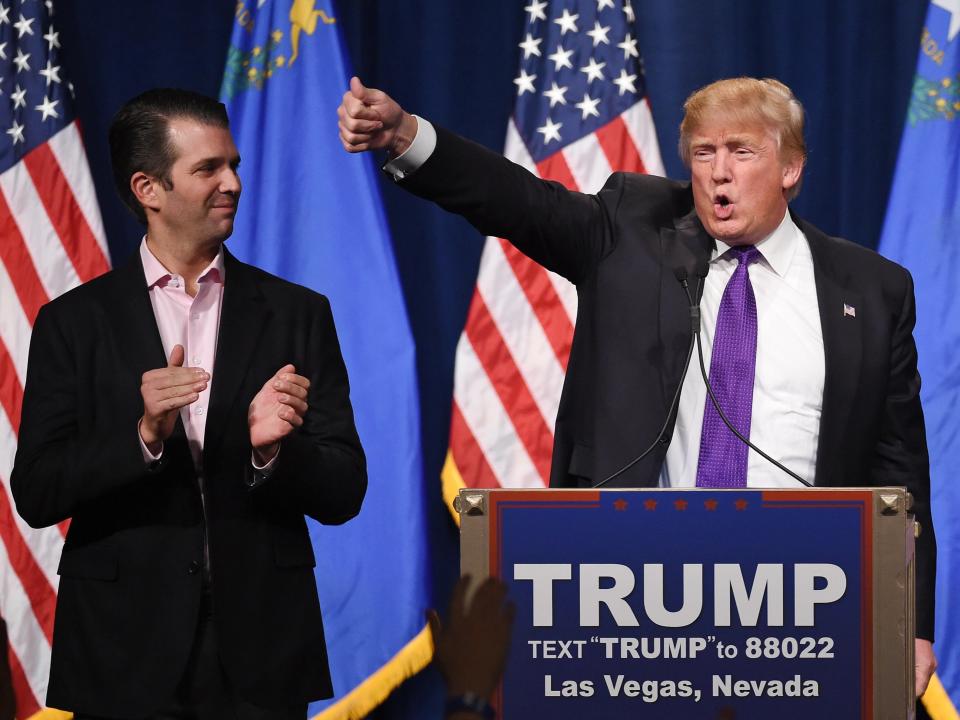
(251, 480)
(194, 568)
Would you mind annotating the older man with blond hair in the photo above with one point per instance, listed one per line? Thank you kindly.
(808, 338)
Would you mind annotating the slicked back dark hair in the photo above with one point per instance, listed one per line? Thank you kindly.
(140, 141)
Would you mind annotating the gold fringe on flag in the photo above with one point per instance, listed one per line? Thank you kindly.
(411, 659)
(451, 484)
(937, 703)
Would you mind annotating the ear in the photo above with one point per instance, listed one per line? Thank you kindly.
(148, 190)
(792, 171)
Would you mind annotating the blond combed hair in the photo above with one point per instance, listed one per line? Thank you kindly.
(748, 101)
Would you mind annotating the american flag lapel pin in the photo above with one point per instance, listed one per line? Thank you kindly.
(849, 311)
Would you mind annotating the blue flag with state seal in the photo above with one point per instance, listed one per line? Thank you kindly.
(312, 214)
(922, 232)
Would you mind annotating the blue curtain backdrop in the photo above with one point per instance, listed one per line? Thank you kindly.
(850, 62)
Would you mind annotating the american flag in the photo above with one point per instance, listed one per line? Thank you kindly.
(51, 239)
(581, 114)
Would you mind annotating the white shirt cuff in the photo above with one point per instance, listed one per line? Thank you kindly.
(422, 147)
(267, 469)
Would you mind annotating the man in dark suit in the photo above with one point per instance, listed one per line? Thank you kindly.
(808, 338)
(186, 410)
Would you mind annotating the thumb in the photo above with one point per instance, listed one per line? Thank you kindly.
(176, 356)
(357, 88)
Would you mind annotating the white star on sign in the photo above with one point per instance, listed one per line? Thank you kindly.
(49, 4)
(18, 97)
(952, 7)
(588, 106)
(625, 82)
(567, 22)
(550, 131)
(594, 70)
(51, 73)
(23, 26)
(4, 15)
(48, 108)
(531, 46)
(52, 38)
(601, 4)
(16, 132)
(3, 53)
(628, 11)
(536, 10)
(561, 58)
(599, 34)
(556, 94)
(629, 47)
(21, 61)
(524, 82)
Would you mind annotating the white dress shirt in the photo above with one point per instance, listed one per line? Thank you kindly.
(788, 385)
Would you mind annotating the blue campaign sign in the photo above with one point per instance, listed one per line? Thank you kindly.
(686, 604)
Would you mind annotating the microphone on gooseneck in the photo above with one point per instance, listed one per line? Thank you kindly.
(695, 319)
(680, 273)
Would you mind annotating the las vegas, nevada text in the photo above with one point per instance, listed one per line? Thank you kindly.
(610, 586)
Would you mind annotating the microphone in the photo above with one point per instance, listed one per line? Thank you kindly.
(680, 273)
(695, 311)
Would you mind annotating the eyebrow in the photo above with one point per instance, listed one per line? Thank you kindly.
(742, 140)
(738, 139)
(216, 159)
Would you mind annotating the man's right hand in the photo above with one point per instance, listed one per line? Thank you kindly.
(166, 390)
(372, 120)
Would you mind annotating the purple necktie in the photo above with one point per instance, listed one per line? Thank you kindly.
(723, 457)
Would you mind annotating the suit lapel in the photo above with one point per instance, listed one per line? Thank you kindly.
(686, 245)
(691, 248)
(134, 324)
(842, 349)
(135, 328)
(242, 319)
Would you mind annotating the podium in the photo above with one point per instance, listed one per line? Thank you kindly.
(689, 604)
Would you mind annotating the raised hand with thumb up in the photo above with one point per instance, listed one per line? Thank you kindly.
(370, 119)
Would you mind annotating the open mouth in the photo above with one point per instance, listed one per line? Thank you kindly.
(722, 206)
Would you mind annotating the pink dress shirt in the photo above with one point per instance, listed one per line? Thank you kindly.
(193, 322)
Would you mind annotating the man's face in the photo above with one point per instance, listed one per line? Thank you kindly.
(739, 181)
(202, 202)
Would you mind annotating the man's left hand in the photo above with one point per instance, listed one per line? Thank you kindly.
(276, 410)
(925, 662)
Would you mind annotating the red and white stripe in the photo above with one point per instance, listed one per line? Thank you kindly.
(51, 239)
(512, 355)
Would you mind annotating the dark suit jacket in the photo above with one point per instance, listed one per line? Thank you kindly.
(620, 248)
(129, 575)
